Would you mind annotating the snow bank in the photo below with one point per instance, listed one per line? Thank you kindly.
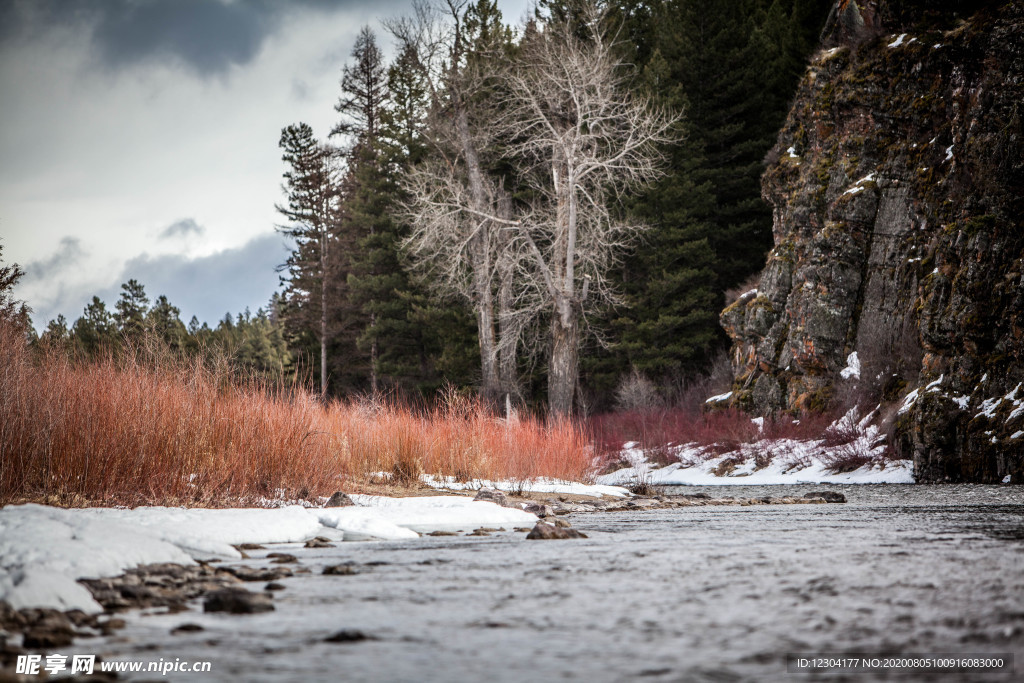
(44, 550)
(780, 470)
(533, 486)
(424, 514)
(772, 461)
(206, 534)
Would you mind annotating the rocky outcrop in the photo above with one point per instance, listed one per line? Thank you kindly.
(898, 193)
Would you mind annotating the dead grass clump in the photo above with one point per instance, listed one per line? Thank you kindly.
(131, 430)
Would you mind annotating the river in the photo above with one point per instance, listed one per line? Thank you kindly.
(691, 594)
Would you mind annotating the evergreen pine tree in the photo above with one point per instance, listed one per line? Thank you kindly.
(163, 321)
(131, 310)
(96, 330)
(311, 281)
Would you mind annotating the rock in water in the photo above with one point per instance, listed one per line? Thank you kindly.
(348, 635)
(539, 509)
(493, 496)
(281, 558)
(548, 532)
(339, 500)
(237, 601)
(827, 496)
(259, 573)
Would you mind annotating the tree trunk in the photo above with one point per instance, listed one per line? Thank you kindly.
(373, 355)
(508, 327)
(563, 370)
(323, 313)
(323, 340)
(490, 387)
(480, 253)
(508, 348)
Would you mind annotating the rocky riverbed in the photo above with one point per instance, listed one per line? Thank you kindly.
(662, 591)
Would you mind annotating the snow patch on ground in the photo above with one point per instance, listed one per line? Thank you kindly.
(852, 368)
(908, 401)
(859, 185)
(44, 550)
(898, 41)
(432, 513)
(773, 461)
(794, 463)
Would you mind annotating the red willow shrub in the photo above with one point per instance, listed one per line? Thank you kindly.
(133, 431)
(656, 431)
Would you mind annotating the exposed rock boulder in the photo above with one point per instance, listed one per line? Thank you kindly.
(238, 601)
(546, 532)
(898, 188)
(827, 496)
(159, 585)
(259, 573)
(348, 635)
(539, 509)
(319, 542)
(494, 496)
(339, 500)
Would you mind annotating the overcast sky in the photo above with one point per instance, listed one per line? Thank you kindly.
(138, 139)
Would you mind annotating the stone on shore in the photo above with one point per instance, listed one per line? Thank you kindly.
(547, 532)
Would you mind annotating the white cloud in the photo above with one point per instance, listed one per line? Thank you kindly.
(111, 157)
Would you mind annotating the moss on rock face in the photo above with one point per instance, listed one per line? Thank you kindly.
(898, 233)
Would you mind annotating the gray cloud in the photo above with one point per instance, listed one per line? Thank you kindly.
(182, 228)
(210, 286)
(206, 287)
(207, 36)
(69, 251)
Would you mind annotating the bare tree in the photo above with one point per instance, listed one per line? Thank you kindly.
(580, 138)
(457, 211)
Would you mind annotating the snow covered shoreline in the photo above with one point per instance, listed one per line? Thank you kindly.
(45, 550)
(852, 450)
(793, 462)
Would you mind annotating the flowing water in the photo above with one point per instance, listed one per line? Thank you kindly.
(692, 594)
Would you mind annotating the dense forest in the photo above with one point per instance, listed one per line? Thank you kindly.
(543, 214)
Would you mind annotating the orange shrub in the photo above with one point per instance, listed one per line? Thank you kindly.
(130, 432)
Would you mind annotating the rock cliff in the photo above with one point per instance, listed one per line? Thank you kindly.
(897, 186)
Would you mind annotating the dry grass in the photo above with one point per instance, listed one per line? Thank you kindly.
(129, 431)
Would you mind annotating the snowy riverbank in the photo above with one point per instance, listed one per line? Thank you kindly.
(851, 450)
(44, 550)
(794, 462)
